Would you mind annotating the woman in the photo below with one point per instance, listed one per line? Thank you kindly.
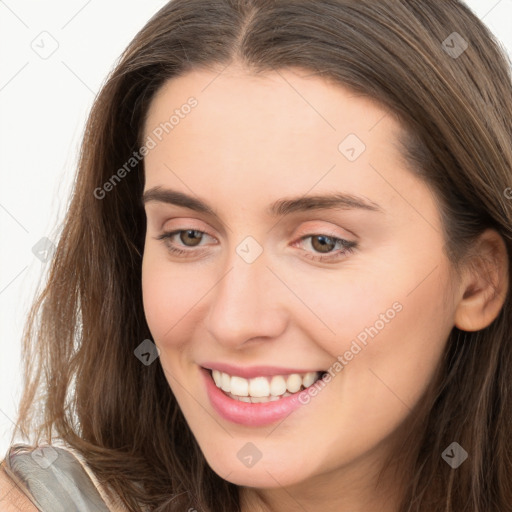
(283, 279)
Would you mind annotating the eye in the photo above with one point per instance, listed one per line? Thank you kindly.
(322, 243)
(325, 245)
(186, 235)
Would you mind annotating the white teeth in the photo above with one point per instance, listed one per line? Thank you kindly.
(277, 385)
(239, 386)
(217, 377)
(294, 382)
(257, 400)
(225, 382)
(308, 379)
(263, 389)
(258, 387)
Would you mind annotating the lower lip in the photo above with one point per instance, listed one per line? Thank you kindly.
(253, 415)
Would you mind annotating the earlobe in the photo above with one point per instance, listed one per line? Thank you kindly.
(485, 285)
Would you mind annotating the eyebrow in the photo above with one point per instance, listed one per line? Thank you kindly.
(279, 208)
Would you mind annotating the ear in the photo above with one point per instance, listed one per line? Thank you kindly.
(485, 284)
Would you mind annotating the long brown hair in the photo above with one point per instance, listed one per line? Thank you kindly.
(83, 383)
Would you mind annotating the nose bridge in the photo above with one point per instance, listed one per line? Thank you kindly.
(245, 303)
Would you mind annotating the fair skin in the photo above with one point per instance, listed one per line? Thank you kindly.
(251, 141)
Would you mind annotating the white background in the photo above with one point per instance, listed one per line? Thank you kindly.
(43, 106)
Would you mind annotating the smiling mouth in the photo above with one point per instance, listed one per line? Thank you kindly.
(263, 389)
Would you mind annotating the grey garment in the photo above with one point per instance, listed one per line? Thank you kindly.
(55, 479)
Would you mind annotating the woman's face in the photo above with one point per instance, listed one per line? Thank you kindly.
(266, 287)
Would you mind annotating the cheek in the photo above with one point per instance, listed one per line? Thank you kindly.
(163, 295)
(386, 376)
(398, 359)
(341, 306)
(389, 328)
(172, 296)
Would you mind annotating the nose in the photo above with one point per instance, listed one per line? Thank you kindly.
(248, 303)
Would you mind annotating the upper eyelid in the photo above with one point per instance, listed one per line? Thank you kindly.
(321, 230)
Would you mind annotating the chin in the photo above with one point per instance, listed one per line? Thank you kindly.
(263, 474)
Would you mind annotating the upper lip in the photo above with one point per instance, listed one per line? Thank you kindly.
(249, 372)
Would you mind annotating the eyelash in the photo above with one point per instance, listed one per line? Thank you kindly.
(348, 246)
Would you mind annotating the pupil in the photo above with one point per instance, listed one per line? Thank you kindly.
(323, 244)
(191, 232)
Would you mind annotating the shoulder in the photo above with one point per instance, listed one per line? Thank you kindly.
(50, 478)
(12, 498)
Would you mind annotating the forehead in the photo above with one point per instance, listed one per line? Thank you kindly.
(289, 103)
(286, 128)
